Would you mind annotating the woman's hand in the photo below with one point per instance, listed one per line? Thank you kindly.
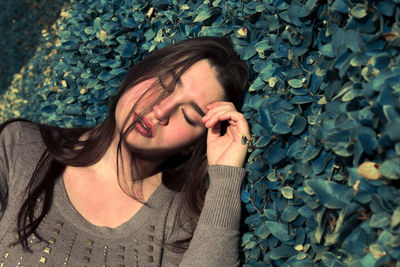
(230, 148)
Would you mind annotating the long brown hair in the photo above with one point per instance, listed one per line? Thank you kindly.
(186, 173)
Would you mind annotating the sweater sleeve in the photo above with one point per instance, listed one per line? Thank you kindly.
(8, 132)
(215, 240)
(20, 142)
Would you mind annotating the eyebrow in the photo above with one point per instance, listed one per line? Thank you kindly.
(197, 108)
(192, 103)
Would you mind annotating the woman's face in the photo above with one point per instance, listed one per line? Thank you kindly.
(173, 124)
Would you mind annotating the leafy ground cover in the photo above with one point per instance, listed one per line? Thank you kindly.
(323, 104)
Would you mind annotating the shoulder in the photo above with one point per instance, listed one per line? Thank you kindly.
(20, 148)
(180, 221)
(16, 132)
(19, 137)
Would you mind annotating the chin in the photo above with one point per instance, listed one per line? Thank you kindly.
(155, 154)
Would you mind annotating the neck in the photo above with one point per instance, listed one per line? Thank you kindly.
(143, 169)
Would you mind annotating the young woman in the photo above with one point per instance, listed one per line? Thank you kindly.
(156, 184)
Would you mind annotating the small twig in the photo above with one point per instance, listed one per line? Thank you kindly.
(252, 202)
(236, 15)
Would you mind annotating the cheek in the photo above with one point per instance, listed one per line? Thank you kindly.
(130, 97)
(184, 135)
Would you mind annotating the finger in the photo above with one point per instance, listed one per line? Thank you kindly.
(232, 117)
(220, 103)
(213, 117)
(214, 132)
(213, 111)
(237, 128)
(218, 110)
(236, 121)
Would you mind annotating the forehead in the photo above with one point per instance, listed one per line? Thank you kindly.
(201, 83)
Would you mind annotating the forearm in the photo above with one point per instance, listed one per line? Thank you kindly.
(216, 238)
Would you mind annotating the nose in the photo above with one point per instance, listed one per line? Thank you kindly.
(162, 110)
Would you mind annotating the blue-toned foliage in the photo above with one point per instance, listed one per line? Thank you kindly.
(324, 97)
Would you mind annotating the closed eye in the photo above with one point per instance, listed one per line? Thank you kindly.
(188, 120)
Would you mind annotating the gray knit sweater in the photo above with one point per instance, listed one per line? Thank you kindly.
(73, 241)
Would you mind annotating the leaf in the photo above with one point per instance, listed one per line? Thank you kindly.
(330, 259)
(275, 155)
(359, 11)
(48, 108)
(250, 245)
(299, 125)
(390, 168)
(340, 6)
(367, 138)
(253, 219)
(279, 230)
(306, 212)
(339, 142)
(102, 36)
(386, 8)
(380, 62)
(149, 34)
(331, 194)
(290, 213)
(247, 52)
(258, 84)
(393, 130)
(281, 128)
(126, 50)
(69, 100)
(377, 251)
(255, 252)
(73, 110)
(246, 238)
(242, 32)
(105, 76)
(302, 99)
(245, 197)
(320, 163)
(272, 81)
(369, 170)
(299, 91)
(263, 141)
(283, 251)
(272, 177)
(310, 153)
(300, 237)
(262, 231)
(295, 83)
(395, 220)
(354, 41)
(97, 24)
(287, 192)
(394, 82)
(138, 17)
(161, 4)
(390, 113)
(359, 60)
(271, 214)
(203, 15)
(263, 45)
(379, 220)
(118, 71)
(89, 30)
(327, 50)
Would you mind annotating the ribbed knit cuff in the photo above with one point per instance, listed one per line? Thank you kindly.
(222, 203)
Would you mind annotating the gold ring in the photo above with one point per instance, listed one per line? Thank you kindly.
(244, 139)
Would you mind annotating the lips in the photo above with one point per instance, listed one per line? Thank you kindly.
(144, 127)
